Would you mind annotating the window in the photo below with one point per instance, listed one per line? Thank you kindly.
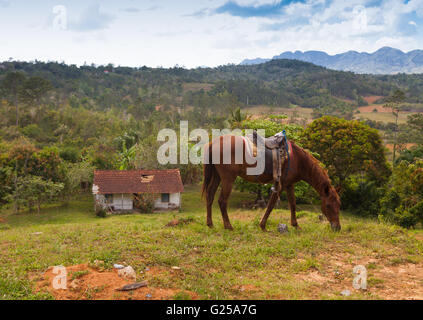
(109, 198)
(165, 197)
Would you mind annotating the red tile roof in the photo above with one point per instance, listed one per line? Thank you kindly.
(137, 181)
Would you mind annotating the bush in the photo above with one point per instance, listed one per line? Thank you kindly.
(70, 154)
(144, 202)
(100, 212)
(361, 196)
(403, 201)
(305, 194)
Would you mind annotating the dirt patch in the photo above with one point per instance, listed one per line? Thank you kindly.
(372, 99)
(177, 222)
(405, 146)
(384, 281)
(246, 288)
(87, 283)
(2, 220)
(373, 107)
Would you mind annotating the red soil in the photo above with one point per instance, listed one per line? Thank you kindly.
(97, 285)
(372, 99)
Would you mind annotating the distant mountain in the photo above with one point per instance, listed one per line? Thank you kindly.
(386, 60)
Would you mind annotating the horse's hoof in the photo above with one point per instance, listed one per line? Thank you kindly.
(263, 228)
(210, 225)
(297, 227)
(229, 228)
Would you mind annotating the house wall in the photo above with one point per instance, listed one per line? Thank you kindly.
(119, 201)
(174, 201)
(128, 205)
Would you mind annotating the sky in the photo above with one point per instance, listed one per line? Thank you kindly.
(201, 32)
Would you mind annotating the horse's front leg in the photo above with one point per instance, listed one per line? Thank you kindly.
(290, 193)
(270, 206)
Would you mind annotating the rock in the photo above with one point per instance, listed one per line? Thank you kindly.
(148, 296)
(346, 293)
(133, 286)
(282, 228)
(176, 268)
(127, 273)
(36, 233)
(118, 266)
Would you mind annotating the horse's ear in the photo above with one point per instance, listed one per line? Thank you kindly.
(338, 189)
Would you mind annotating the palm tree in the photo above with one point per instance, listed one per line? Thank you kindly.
(237, 117)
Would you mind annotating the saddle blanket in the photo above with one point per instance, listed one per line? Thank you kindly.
(251, 151)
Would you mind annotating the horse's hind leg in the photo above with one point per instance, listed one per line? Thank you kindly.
(210, 193)
(227, 184)
(270, 206)
(290, 193)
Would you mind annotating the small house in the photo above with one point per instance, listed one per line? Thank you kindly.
(117, 190)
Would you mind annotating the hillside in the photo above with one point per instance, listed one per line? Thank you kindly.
(277, 82)
(386, 60)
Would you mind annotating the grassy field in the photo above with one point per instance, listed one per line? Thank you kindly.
(384, 116)
(311, 263)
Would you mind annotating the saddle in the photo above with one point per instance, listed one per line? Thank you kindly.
(276, 152)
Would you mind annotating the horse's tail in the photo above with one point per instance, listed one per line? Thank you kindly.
(209, 170)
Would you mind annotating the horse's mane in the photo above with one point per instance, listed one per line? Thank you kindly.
(312, 170)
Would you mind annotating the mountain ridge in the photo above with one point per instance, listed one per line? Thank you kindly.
(386, 60)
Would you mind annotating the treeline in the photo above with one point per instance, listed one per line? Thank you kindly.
(275, 83)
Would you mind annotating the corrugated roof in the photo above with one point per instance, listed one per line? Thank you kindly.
(137, 181)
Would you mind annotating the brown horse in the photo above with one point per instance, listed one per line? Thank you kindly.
(302, 166)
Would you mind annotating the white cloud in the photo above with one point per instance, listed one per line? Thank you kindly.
(91, 19)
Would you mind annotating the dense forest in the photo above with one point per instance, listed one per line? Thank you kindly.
(59, 122)
(278, 83)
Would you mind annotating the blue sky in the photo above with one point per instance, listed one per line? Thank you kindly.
(202, 32)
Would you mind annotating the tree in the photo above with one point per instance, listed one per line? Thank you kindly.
(33, 89)
(11, 87)
(403, 200)
(79, 176)
(394, 102)
(237, 117)
(415, 123)
(347, 148)
(30, 190)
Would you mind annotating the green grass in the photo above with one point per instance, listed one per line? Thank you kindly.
(215, 263)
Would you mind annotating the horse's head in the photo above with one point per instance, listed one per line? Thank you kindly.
(331, 205)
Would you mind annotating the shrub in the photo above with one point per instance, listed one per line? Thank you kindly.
(100, 212)
(403, 202)
(144, 202)
(361, 196)
(305, 194)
